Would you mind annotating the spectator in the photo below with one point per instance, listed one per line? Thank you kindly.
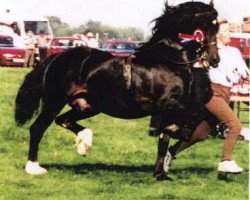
(91, 40)
(30, 42)
(42, 42)
(84, 39)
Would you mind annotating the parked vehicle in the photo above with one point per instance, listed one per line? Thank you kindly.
(60, 44)
(119, 48)
(9, 54)
(16, 25)
(139, 44)
(242, 42)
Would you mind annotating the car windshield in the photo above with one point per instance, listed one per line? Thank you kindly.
(6, 42)
(66, 43)
(119, 46)
(36, 26)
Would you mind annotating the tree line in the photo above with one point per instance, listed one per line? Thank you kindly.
(61, 28)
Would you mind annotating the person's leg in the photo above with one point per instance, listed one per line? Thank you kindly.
(26, 58)
(32, 56)
(42, 53)
(224, 113)
(220, 108)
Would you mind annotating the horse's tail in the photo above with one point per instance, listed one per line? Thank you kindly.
(30, 93)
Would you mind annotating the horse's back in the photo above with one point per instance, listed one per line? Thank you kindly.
(72, 68)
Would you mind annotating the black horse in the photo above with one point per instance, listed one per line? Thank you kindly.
(158, 79)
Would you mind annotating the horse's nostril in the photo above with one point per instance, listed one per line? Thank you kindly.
(214, 63)
(218, 59)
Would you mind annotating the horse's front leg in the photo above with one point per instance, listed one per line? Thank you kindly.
(84, 135)
(163, 143)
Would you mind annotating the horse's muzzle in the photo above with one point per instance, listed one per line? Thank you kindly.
(215, 62)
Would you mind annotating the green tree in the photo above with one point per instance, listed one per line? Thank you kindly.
(93, 26)
(59, 28)
(132, 33)
(105, 31)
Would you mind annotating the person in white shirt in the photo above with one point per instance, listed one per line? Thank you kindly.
(30, 42)
(231, 68)
(91, 40)
(42, 42)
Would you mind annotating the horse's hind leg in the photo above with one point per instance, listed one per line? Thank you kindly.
(37, 130)
(84, 135)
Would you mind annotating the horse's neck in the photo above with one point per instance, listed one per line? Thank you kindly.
(165, 51)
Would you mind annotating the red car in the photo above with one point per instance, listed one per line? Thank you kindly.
(119, 48)
(10, 55)
(60, 44)
(242, 42)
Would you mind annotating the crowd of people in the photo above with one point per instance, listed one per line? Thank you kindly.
(36, 46)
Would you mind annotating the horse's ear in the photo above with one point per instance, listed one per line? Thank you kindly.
(167, 5)
(168, 8)
(211, 3)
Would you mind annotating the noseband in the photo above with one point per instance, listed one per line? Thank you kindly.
(201, 54)
(198, 36)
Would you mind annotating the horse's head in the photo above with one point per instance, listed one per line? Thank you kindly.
(194, 26)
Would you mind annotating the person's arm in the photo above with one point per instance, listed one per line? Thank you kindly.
(27, 40)
(241, 67)
(236, 68)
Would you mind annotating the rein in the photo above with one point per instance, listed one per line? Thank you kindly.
(185, 39)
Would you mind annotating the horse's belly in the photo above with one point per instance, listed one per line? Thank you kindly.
(126, 114)
(124, 110)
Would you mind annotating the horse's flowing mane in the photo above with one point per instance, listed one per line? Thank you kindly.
(183, 18)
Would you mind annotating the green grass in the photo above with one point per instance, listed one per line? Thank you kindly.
(119, 165)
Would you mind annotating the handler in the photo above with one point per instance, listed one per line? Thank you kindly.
(231, 68)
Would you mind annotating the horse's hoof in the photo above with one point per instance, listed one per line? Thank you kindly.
(84, 141)
(162, 177)
(34, 168)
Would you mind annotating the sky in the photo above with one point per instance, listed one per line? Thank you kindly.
(119, 13)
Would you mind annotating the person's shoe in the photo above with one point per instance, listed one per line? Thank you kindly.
(229, 167)
(168, 160)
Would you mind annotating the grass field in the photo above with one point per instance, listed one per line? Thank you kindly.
(119, 165)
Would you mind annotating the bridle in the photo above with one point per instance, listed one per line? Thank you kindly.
(200, 58)
(181, 43)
